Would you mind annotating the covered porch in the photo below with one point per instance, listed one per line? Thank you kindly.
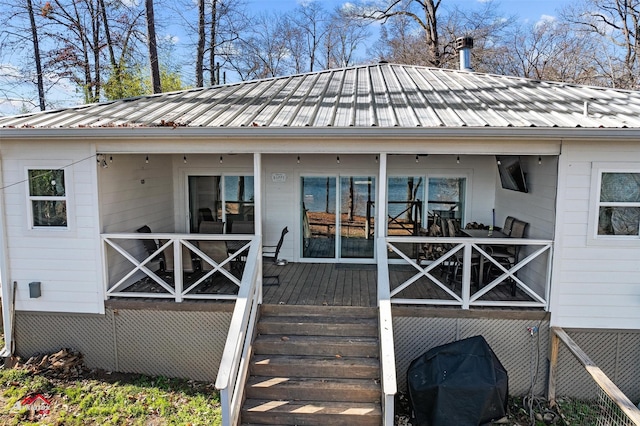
(329, 204)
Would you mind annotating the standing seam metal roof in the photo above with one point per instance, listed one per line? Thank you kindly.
(381, 95)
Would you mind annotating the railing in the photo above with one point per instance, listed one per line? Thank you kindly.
(234, 366)
(610, 406)
(127, 266)
(454, 264)
(387, 348)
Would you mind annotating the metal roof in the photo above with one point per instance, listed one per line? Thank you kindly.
(381, 95)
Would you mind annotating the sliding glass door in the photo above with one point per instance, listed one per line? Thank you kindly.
(220, 199)
(335, 206)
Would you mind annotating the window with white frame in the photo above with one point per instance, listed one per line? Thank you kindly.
(619, 203)
(47, 198)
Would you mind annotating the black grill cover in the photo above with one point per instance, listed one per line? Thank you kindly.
(460, 383)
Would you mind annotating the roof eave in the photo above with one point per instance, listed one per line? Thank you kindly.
(288, 133)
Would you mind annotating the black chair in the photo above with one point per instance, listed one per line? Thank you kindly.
(507, 256)
(270, 253)
(151, 246)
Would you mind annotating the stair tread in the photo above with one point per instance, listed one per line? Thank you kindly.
(313, 407)
(319, 319)
(362, 340)
(308, 310)
(324, 383)
(315, 360)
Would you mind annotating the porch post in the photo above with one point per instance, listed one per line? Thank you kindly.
(257, 213)
(7, 288)
(381, 199)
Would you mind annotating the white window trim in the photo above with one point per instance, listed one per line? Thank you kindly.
(68, 197)
(597, 170)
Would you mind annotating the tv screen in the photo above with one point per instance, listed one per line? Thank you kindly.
(511, 175)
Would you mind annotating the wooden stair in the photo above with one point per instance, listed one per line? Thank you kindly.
(314, 365)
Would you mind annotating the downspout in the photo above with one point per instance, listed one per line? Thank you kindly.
(7, 288)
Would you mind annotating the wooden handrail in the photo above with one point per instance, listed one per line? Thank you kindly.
(620, 399)
(234, 364)
(387, 347)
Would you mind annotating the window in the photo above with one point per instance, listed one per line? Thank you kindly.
(47, 198)
(619, 203)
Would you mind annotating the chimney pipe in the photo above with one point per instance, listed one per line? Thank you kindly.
(464, 46)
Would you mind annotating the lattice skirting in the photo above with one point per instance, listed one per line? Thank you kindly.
(156, 342)
(522, 355)
(616, 352)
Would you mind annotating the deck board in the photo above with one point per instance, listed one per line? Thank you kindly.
(338, 285)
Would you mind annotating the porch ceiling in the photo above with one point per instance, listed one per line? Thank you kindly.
(372, 96)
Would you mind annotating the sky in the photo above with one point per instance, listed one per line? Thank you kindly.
(524, 10)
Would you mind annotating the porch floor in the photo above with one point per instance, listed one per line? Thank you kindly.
(330, 284)
(356, 285)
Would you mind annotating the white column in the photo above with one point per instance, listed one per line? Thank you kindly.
(257, 213)
(7, 287)
(381, 199)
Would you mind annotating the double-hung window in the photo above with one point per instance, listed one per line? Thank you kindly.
(47, 198)
(619, 203)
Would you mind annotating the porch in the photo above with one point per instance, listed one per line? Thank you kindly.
(440, 282)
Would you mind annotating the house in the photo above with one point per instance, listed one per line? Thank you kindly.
(366, 167)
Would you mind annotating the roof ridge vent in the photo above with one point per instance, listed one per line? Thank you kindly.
(464, 46)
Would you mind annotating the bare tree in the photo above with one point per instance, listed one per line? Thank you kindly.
(36, 55)
(617, 24)
(421, 13)
(344, 35)
(152, 46)
(310, 20)
(201, 44)
(264, 52)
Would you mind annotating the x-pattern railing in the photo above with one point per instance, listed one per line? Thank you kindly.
(137, 264)
(459, 251)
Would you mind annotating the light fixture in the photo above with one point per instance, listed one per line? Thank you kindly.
(417, 158)
(338, 159)
(111, 158)
(146, 160)
(499, 162)
(458, 159)
(376, 159)
(298, 159)
(221, 159)
(539, 159)
(184, 159)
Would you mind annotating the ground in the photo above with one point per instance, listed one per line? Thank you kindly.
(80, 396)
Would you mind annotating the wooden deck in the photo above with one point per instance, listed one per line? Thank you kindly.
(330, 284)
(354, 285)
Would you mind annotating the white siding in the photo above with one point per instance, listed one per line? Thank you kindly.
(66, 262)
(536, 207)
(134, 193)
(594, 285)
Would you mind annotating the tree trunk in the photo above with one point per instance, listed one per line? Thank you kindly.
(212, 42)
(36, 56)
(200, 47)
(152, 44)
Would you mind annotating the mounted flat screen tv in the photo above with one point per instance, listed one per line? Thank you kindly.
(511, 174)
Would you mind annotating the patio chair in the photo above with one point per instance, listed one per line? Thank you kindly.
(508, 225)
(271, 253)
(208, 227)
(188, 266)
(205, 215)
(151, 246)
(216, 250)
(242, 227)
(507, 256)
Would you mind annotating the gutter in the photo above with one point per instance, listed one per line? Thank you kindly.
(296, 133)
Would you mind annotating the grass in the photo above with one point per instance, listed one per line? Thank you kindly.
(108, 399)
